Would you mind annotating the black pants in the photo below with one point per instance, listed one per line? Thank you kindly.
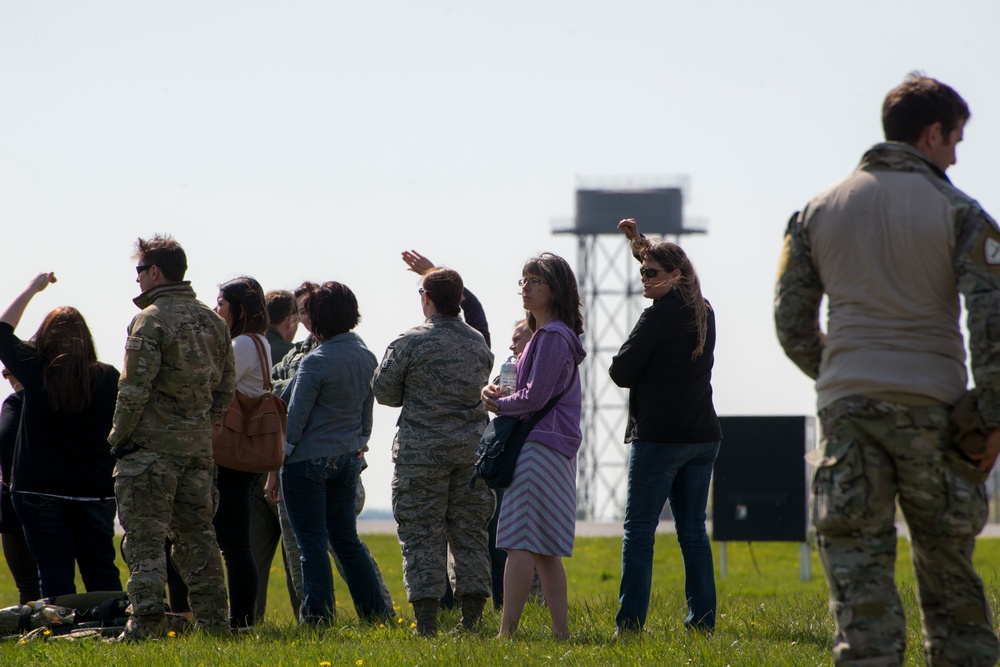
(22, 565)
(232, 529)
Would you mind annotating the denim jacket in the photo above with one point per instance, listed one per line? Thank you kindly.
(330, 411)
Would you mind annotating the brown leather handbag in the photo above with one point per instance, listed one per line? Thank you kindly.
(250, 437)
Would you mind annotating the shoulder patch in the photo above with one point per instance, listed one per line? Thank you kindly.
(991, 251)
(386, 363)
(133, 343)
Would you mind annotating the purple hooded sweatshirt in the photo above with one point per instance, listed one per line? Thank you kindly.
(543, 371)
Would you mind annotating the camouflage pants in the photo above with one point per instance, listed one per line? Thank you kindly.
(265, 536)
(436, 510)
(160, 497)
(875, 452)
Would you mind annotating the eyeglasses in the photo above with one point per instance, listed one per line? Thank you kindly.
(140, 269)
(421, 291)
(531, 282)
(649, 273)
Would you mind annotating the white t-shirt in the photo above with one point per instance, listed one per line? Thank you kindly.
(249, 380)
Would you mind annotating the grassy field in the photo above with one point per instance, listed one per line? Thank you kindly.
(767, 617)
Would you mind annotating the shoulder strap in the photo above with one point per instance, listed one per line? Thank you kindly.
(264, 370)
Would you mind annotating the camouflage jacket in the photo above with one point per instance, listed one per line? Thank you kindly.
(178, 378)
(969, 255)
(284, 370)
(435, 372)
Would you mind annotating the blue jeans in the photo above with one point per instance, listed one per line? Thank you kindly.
(319, 497)
(62, 533)
(680, 473)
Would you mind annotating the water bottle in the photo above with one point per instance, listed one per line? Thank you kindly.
(508, 376)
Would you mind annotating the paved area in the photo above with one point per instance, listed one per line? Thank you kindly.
(607, 528)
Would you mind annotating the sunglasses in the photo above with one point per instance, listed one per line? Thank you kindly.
(649, 273)
(140, 269)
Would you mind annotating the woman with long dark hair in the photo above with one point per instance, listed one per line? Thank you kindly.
(62, 483)
(537, 523)
(241, 304)
(666, 364)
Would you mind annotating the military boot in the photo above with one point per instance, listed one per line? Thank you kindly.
(472, 610)
(426, 611)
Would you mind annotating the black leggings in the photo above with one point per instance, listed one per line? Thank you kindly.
(232, 529)
(22, 566)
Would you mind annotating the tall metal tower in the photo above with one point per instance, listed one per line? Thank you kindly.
(608, 276)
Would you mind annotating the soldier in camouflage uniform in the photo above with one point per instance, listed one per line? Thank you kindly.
(892, 246)
(435, 372)
(178, 380)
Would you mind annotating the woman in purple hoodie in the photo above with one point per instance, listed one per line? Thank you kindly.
(537, 522)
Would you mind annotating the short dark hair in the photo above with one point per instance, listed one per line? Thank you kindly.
(444, 288)
(246, 306)
(280, 304)
(566, 305)
(162, 251)
(916, 104)
(305, 288)
(333, 310)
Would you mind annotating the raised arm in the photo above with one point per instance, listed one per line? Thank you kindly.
(637, 241)
(417, 262)
(12, 315)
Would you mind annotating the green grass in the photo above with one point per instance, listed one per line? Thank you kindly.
(767, 617)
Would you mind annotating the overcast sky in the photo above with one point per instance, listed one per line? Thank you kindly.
(316, 140)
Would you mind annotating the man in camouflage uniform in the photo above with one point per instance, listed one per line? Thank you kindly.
(435, 372)
(892, 246)
(178, 380)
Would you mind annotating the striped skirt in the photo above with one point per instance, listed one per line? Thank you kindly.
(538, 513)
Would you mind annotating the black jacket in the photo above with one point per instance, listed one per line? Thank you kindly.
(58, 453)
(671, 395)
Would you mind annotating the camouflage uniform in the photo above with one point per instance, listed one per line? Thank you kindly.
(283, 376)
(435, 373)
(283, 372)
(178, 380)
(880, 447)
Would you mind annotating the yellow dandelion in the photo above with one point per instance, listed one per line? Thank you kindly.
(399, 620)
(23, 641)
(47, 632)
(171, 634)
(359, 662)
(413, 625)
(324, 663)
